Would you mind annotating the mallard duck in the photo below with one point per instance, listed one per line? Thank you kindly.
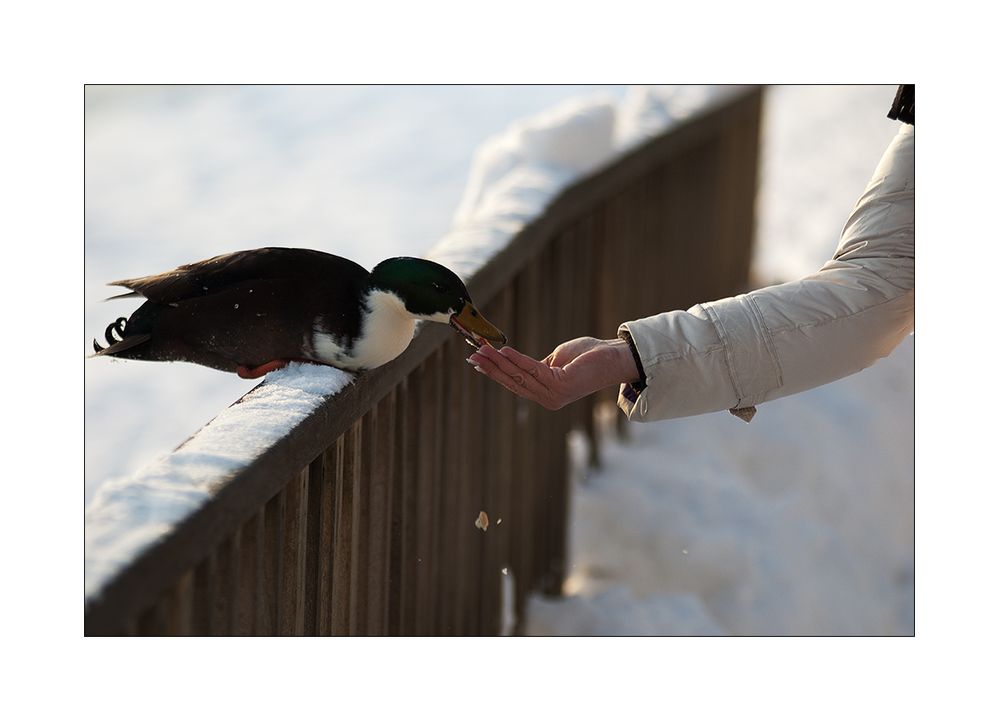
(253, 311)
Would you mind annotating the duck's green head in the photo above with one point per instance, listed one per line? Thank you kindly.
(432, 292)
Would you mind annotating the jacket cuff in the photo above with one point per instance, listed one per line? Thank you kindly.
(683, 358)
(632, 390)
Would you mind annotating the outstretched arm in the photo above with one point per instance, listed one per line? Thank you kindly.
(736, 352)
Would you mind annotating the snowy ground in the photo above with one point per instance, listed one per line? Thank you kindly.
(798, 523)
(768, 528)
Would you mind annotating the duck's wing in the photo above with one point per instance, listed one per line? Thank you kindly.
(245, 308)
(214, 275)
(248, 323)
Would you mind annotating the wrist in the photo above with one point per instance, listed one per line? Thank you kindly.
(626, 365)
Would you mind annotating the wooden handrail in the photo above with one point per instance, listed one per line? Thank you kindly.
(361, 519)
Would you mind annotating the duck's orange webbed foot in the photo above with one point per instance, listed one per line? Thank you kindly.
(260, 371)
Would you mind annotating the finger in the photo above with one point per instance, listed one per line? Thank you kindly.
(535, 379)
(554, 359)
(494, 361)
(566, 352)
(558, 358)
(492, 371)
(572, 349)
(531, 373)
(524, 362)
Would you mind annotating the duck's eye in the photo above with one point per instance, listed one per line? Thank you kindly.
(438, 287)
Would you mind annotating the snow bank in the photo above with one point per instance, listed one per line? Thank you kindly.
(647, 111)
(518, 173)
(550, 148)
(127, 516)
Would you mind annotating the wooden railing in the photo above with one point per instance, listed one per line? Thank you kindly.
(362, 520)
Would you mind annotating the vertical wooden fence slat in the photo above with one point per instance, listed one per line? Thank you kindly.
(399, 477)
(430, 440)
(291, 608)
(268, 564)
(381, 452)
(332, 476)
(179, 607)
(201, 600)
(407, 485)
(375, 494)
(741, 151)
(450, 570)
(246, 589)
(313, 546)
(443, 510)
(348, 450)
(224, 583)
(360, 556)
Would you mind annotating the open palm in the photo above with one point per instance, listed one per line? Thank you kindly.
(573, 370)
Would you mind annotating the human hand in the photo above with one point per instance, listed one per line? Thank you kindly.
(573, 370)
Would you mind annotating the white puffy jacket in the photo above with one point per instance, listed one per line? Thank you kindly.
(737, 352)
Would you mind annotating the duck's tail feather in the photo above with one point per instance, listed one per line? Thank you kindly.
(120, 346)
(130, 294)
(117, 341)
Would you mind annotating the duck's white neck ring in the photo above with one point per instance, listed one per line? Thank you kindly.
(385, 332)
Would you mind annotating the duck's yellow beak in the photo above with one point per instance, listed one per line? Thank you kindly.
(476, 329)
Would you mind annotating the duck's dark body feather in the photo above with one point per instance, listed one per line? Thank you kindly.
(243, 309)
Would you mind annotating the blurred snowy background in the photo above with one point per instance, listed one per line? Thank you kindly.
(799, 523)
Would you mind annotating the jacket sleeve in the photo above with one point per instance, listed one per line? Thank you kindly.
(737, 352)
